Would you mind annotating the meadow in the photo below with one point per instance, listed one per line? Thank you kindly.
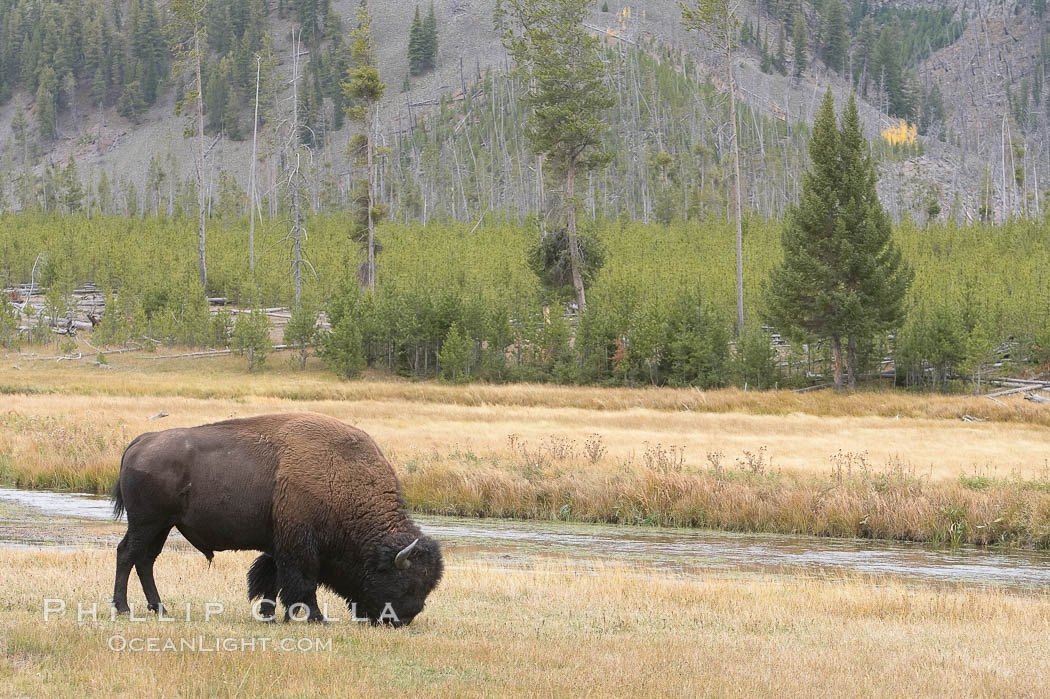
(880, 463)
(555, 627)
(877, 464)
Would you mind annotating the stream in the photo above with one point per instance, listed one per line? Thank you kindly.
(47, 519)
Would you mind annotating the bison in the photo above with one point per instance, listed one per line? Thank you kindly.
(313, 494)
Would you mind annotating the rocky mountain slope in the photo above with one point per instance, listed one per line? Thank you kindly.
(980, 162)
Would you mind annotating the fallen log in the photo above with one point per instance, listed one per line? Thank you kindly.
(112, 351)
(1008, 391)
(812, 388)
(209, 353)
(203, 353)
(1025, 382)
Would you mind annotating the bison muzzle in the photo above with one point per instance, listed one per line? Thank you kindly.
(314, 495)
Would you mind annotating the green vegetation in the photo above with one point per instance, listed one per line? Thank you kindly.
(842, 275)
(718, 20)
(422, 43)
(251, 337)
(657, 307)
(888, 44)
(660, 291)
(798, 44)
(116, 53)
(363, 91)
(557, 55)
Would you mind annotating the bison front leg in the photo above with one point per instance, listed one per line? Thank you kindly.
(144, 567)
(298, 564)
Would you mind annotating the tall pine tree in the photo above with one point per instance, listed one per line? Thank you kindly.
(875, 276)
(780, 59)
(842, 277)
(568, 102)
(798, 42)
(364, 89)
(416, 48)
(430, 40)
(836, 38)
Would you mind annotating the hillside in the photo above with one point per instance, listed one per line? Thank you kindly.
(984, 155)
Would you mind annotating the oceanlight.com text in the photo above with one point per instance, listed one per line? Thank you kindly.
(120, 643)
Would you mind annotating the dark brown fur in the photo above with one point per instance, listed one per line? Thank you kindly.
(314, 495)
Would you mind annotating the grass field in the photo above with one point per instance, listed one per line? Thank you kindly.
(556, 628)
(875, 464)
(775, 461)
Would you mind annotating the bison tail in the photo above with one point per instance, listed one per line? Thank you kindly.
(118, 500)
(115, 495)
(262, 578)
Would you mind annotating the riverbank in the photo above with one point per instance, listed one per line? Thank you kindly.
(533, 609)
(53, 520)
(771, 462)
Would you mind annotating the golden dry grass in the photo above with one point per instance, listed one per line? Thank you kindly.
(224, 376)
(587, 454)
(562, 629)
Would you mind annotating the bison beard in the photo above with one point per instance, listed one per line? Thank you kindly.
(314, 495)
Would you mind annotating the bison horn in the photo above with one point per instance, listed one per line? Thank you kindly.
(401, 559)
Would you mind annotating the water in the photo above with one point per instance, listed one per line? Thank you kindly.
(670, 549)
(692, 549)
(65, 504)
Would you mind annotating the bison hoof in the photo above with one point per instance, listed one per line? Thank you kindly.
(158, 608)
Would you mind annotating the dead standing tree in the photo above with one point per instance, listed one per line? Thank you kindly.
(188, 32)
(717, 19)
(289, 177)
(295, 181)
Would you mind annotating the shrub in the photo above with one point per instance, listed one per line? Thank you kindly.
(8, 323)
(114, 327)
(754, 362)
(697, 345)
(454, 357)
(221, 328)
(301, 332)
(251, 337)
(343, 347)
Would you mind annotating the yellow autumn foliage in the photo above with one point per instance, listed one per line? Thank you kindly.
(903, 132)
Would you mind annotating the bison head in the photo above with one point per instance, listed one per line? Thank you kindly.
(402, 572)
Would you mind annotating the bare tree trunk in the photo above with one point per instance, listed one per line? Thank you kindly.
(297, 258)
(200, 157)
(371, 204)
(251, 176)
(294, 181)
(851, 362)
(836, 360)
(574, 249)
(736, 196)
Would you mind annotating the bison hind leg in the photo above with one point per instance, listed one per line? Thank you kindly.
(262, 584)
